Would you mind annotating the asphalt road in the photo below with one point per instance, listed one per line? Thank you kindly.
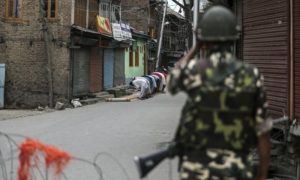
(116, 130)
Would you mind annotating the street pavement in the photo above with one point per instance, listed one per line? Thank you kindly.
(6, 114)
(116, 130)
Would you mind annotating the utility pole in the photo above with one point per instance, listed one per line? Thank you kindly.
(161, 34)
(195, 21)
(44, 15)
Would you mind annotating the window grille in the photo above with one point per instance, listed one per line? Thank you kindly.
(115, 13)
(51, 8)
(137, 57)
(167, 42)
(80, 13)
(104, 10)
(13, 8)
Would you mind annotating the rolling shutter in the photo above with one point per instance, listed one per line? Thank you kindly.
(119, 72)
(297, 59)
(96, 63)
(2, 84)
(81, 72)
(266, 45)
(108, 68)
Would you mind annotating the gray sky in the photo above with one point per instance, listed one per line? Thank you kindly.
(175, 7)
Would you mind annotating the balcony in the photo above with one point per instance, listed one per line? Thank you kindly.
(86, 11)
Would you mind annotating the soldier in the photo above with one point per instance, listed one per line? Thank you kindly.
(225, 114)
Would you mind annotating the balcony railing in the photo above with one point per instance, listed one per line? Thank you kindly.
(87, 10)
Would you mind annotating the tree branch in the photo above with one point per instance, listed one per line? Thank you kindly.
(178, 3)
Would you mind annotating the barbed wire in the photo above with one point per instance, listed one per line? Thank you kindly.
(8, 166)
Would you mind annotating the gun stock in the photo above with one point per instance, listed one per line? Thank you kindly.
(147, 163)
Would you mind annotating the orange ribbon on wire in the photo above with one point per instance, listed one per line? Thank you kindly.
(29, 152)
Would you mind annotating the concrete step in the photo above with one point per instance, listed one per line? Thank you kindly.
(117, 92)
(99, 94)
(103, 97)
(130, 91)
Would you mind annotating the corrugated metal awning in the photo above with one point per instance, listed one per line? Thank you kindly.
(89, 31)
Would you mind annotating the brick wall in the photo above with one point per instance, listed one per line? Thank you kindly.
(136, 12)
(25, 57)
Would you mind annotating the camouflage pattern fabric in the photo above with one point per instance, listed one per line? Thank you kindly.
(216, 164)
(226, 110)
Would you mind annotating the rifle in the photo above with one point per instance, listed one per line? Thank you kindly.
(285, 152)
(147, 163)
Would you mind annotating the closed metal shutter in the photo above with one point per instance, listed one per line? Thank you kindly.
(108, 68)
(266, 45)
(96, 69)
(297, 59)
(119, 72)
(81, 72)
(2, 84)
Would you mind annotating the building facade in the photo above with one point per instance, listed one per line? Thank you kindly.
(136, 64)
(54, 50)
(29, 73)
(146, 17)
(60, 50)
(174, 38)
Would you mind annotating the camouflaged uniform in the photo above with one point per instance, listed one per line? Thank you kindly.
(225, 111)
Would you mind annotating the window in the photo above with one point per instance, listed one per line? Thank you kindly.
(137, 57)
(110, 11)
(93, 12)
(151, 32)
(115, 13)
(80, 13)
(141, 49)
(51, 8)
(104, 10)
(167, 42)
(13, 8)
(130, 57)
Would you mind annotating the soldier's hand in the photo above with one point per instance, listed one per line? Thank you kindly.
(185, 59)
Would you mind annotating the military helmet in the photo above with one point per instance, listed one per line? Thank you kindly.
(218, 24)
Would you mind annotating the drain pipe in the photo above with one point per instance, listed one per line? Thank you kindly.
(291, 85)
